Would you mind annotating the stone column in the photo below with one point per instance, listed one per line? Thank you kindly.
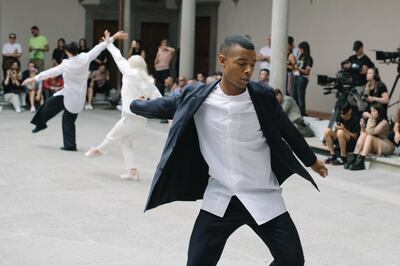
(279, 36)
(186, 57)
(127, 26)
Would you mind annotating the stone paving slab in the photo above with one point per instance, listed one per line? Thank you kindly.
(60, 208)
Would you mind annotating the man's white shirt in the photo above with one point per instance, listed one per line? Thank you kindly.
(265, 51)
(238, 156)
(75, 73)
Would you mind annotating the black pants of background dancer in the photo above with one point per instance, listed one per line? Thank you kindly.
(211, 232)
(51, 108)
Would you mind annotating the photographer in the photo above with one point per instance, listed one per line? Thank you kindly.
(375, 91)
(13, 91)
(358, 65)
(345, 135)
(373, 138)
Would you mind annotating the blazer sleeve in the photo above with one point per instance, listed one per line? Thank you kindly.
(160, 108)
(292, 136)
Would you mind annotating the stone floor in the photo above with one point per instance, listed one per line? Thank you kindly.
(60, 208)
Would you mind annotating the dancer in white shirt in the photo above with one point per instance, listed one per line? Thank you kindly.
(71, 99)
(136, 83)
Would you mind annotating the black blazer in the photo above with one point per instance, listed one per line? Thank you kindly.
(182, 173)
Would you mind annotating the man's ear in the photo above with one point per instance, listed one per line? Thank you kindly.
(222, 60)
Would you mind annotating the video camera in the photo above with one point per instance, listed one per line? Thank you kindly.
(388, 57)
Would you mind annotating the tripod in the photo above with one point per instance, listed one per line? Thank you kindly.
(394, 84)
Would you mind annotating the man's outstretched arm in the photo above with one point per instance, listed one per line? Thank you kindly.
(160, 108)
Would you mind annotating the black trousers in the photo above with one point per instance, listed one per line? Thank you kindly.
(51, 108)
(299, 92)
(160, 78)
(211, 232)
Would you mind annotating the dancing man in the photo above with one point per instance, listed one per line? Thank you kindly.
(72, 97)
(136, 83)
(231, 144)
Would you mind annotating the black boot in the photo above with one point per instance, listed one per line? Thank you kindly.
(358, 163)
(350, 160)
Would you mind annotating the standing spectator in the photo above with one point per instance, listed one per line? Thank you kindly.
(59, 52)
(358, 65)
(301, 73)
(163, 59)
(373, 138)
(345, 135)
(200, 78)
(52, 85)
(38, 45)
(295, 50)
(263, 77)
(11, 52)
(13, 90)
(83, 46)
(136, 49)
(99, 84)
(375, 91)
(291, 64)
(264, 56)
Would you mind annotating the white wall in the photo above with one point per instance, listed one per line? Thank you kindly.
(330, 26)
(55, 19)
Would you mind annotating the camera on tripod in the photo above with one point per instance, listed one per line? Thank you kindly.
(343, 82)
(388, 57)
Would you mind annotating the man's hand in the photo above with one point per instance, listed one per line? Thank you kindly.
(319, 167)
(28, 81)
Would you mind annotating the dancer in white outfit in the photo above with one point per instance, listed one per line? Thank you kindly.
(136, 83)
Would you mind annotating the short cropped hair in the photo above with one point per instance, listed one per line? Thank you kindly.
(34, 28)
(236, 40)
(264, 69)
(72, 48)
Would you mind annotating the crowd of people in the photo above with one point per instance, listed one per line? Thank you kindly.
(360, 132)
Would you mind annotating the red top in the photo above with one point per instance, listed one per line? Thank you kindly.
(53, 82)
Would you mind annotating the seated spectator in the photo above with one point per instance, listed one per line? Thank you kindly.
(210, 79)
(83, 46)
(52, 85)
(99, 84)
(200, 78)
(291, 109)
(59, 53)
(345, 135)
(182, 82)
(169, 86)
(373, 138)
(263, 77)
(217, 75)
(13, 90)
(375, 91)
(394, 135)
(35, 91)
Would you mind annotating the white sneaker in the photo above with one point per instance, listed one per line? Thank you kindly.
(93, 152)
(119, 108)
(135, 177)
(33, 109)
